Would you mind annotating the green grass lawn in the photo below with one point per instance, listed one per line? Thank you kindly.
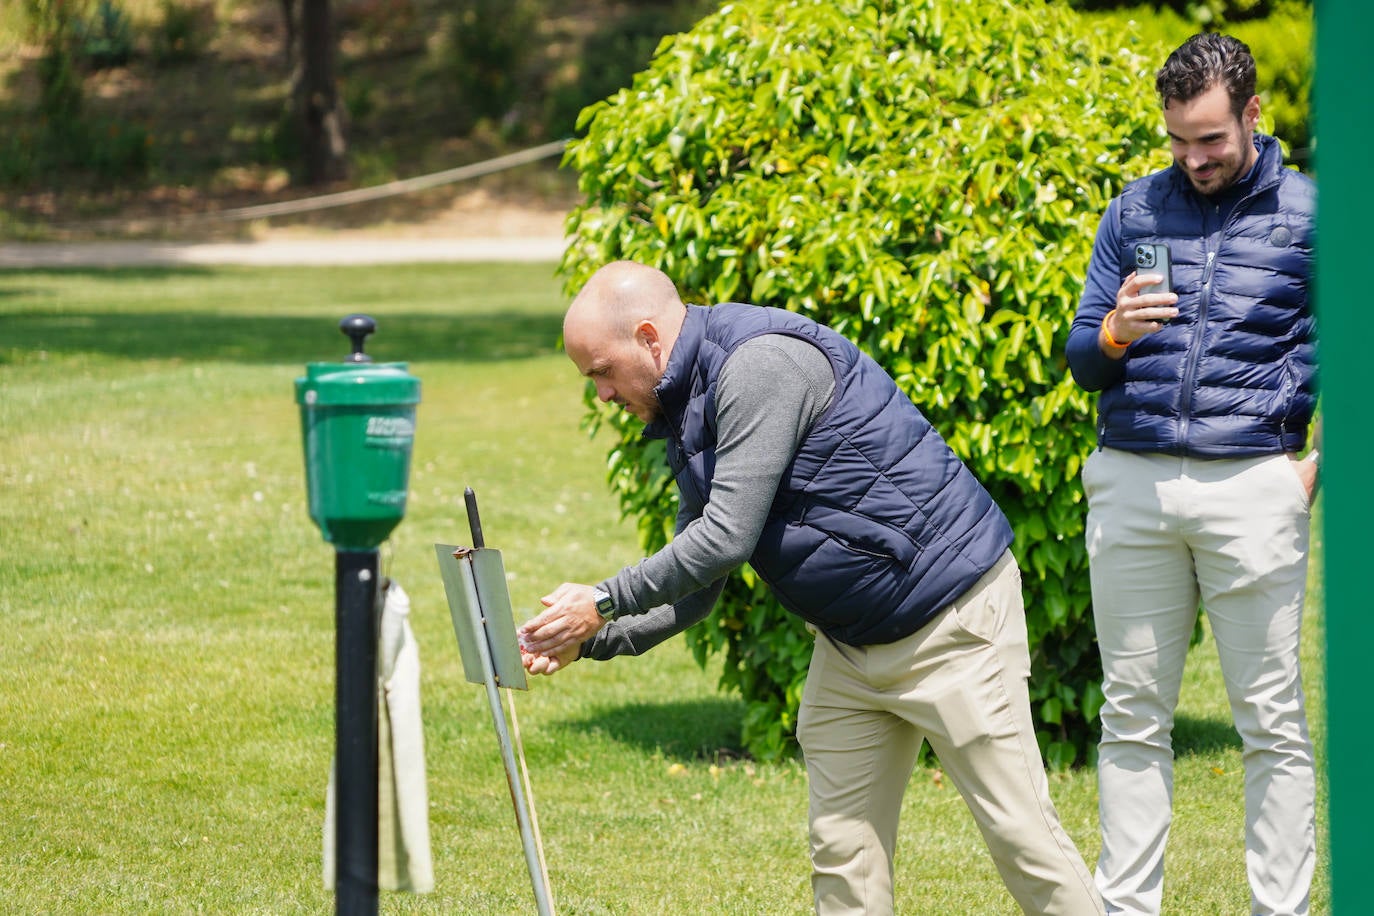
(166, 669)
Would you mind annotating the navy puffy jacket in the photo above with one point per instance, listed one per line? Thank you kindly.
(876, 526)
(1235, 374)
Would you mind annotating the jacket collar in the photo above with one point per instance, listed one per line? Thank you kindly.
(674, 388)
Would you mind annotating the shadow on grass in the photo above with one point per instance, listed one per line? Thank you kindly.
(267, 339)
(696, 730)
(710, 729)
(1199, 737)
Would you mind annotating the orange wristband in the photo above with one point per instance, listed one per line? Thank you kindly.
(1111, 341)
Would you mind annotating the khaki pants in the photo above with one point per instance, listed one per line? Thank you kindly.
(960, 683)
(1163, 533)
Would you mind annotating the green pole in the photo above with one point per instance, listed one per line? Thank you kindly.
(1345, 244)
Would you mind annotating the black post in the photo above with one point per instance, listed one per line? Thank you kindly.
(355, 732)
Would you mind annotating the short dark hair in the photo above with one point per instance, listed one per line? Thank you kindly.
(1204, 61)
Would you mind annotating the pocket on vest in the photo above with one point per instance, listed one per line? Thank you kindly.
(831, 566)
(862, 535)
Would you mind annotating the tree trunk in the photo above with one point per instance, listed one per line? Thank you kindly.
(289, 19)
(323, 146)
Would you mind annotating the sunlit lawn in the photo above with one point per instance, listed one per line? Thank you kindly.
(166, 670)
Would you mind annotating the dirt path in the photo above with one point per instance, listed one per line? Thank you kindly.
(475, 227)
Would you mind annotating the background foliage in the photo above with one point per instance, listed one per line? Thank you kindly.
(104, 102)
(1211, 14)
(827, 158)
(155, 91)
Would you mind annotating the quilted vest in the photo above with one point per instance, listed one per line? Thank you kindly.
(876, 525)
(1235, 374)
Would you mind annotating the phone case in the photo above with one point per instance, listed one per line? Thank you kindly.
(1154, 259)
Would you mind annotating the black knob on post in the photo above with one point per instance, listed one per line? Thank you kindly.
(357, 327)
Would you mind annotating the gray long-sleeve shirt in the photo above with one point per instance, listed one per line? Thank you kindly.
(769, 393)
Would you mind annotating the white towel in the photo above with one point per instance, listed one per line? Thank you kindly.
(404, 861)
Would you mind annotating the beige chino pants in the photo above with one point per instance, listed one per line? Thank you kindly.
(959, 683)
(1164, 533)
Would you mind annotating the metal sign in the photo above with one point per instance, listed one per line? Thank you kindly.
(479, 603)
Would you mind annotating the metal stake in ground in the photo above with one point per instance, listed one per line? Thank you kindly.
(479, 603)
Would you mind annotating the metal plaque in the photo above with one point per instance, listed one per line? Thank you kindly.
(479, 603)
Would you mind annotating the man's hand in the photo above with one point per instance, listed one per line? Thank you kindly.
(1136, 315)
(548, 664)
(1307, 475)
(570, 620)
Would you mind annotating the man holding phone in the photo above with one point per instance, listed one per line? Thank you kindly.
(1196, 491)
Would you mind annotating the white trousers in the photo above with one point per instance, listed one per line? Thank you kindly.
(1164, 533)
(960, 683)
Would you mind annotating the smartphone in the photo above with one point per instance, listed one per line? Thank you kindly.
(1154, 259)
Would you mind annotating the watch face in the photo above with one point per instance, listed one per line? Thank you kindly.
(605, 604)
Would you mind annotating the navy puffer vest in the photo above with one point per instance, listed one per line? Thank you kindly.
(876, 526)
(1235, 374)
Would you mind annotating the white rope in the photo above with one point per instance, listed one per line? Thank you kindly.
(376, 192)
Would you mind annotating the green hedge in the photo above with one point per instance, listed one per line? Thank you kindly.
(927, 179)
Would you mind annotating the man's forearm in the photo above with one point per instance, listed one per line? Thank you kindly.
(639, 633)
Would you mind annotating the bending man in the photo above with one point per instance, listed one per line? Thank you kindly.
(798, 454)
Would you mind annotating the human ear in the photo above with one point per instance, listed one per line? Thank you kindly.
(646, 334)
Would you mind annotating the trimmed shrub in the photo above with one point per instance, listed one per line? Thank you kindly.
(927, 179)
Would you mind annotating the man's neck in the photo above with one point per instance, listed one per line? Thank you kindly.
(1243, 179)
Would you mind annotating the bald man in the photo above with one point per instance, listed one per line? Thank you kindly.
(796, 453)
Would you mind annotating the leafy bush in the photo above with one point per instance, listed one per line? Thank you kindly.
(1284, 56)
(483, 48)
(114, 149)
(105, 39)
(927, 179)
(52, 25)
(183, 31)
(62, 135)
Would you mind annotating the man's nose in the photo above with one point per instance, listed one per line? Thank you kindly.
(604, 392)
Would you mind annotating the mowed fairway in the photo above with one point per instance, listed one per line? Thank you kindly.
(166, 664)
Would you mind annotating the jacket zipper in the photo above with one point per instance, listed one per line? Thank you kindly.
(686, 462)
(1195, 351)
(1204, 307)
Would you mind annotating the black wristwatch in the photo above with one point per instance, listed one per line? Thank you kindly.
(605, 604)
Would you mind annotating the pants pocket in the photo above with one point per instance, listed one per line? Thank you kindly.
(1293, 481)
